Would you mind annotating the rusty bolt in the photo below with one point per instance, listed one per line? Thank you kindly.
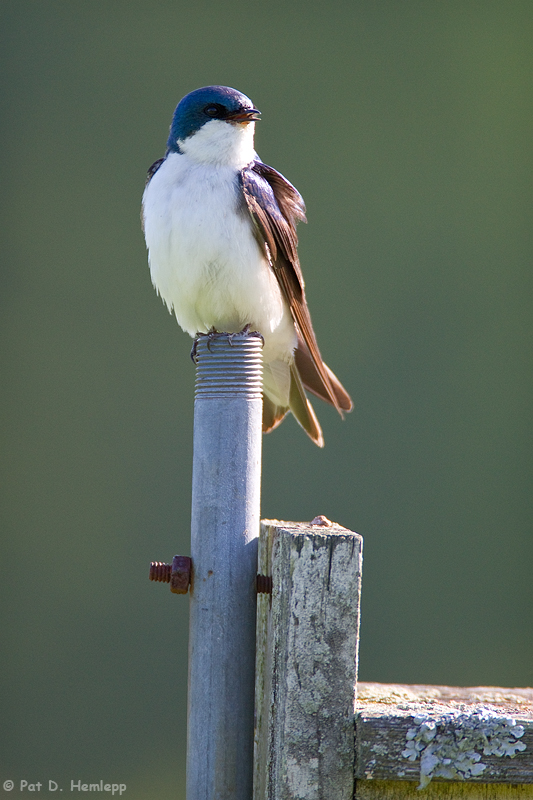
(264, 584)
(178, 574)
(159, 571)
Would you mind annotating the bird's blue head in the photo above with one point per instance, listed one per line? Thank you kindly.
(204, 105)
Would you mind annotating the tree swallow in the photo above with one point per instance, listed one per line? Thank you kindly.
(220, 228)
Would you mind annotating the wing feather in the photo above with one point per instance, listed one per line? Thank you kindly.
(276, 206)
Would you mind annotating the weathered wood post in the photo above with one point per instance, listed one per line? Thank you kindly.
(225, 528)
(306, 668)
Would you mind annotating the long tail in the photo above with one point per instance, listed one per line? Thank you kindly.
(313, 382)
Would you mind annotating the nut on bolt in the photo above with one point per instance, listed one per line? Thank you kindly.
(263, 584)
(178, 574)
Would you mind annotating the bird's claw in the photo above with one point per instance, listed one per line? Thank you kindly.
(210, 336)
(194, 357)
(246, 332)
(259, 335)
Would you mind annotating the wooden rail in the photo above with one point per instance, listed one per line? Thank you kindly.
(453, 742)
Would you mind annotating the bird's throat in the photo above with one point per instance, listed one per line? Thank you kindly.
(221, 144)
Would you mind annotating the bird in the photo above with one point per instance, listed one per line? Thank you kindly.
(220, 230)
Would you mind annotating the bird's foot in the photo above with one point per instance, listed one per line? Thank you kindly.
(213, 333)
(210, 336)
(246, 332)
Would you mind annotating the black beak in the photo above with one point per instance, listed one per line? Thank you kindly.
(244, 115)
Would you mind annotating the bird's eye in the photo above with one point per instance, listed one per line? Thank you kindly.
(214, 110)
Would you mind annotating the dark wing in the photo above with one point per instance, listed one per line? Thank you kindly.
(276, 207)
(151, 172)
(153, 169)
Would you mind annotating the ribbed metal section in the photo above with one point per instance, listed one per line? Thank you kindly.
(228, 365)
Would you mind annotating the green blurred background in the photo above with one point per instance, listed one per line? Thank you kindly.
(407, 128)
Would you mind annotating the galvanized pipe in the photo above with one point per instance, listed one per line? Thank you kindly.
(225, 529)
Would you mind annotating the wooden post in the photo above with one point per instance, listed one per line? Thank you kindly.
(225, 527)
(306, 667)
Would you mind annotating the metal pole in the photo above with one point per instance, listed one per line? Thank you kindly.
(224, 534)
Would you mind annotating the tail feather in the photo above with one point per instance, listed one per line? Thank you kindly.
(284, 388)
(273, 414)
(312, 380)
(303, 410)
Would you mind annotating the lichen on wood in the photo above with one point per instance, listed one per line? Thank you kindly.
(428, 733)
